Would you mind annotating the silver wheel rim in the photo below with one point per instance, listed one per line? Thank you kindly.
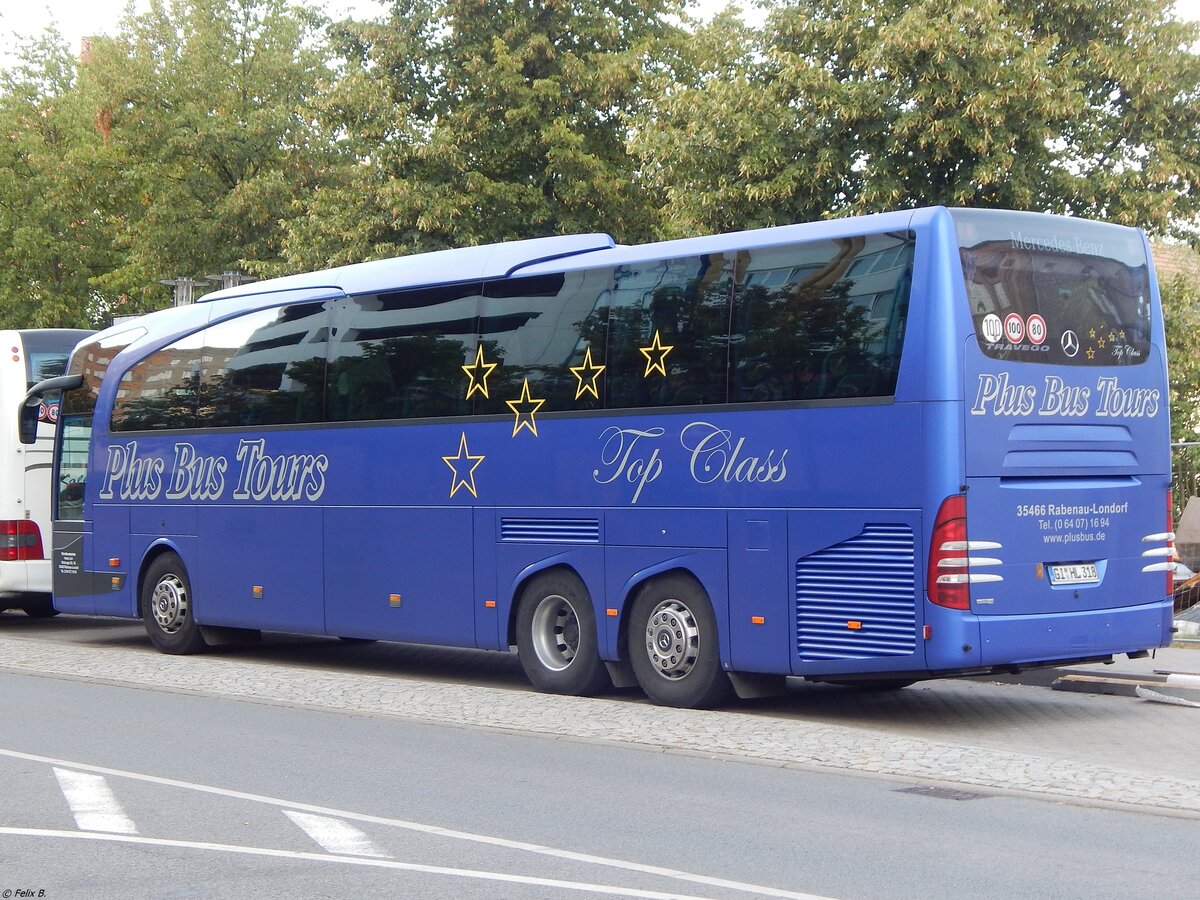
(169, 604)
(555, 632)
(672, 639)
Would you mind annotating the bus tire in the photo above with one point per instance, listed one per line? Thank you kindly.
(556, 636)
(673, 644)
(167, 607)
(40, 608)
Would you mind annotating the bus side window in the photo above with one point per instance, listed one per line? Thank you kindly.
(819, 321)
(399, 354)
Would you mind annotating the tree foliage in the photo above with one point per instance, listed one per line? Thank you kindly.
(200, 106)
(53, 242)
(1076, 106)
(465, 122)
(1181, 313)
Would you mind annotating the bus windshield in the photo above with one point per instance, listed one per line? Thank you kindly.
(1047, 289)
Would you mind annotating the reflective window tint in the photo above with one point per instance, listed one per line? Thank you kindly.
(1050, 290)
(75, 420)
(265, 368)
(400, 355)
(537, 329)
(163, 390)
(820, 321)
(668, 332)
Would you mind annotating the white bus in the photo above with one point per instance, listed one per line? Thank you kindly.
(27, 357)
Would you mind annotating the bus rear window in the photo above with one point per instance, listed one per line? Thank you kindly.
(1053, 290)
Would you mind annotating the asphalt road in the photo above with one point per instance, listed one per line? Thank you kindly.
(194, 796)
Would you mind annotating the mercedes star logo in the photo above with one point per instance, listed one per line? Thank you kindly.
(1070, 343)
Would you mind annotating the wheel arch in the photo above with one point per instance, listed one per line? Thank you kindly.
(561, 562)
(646, 577)
(153, 552)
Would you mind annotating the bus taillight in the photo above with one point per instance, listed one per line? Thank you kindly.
(949, 579)
(948, 571)
(20, 539)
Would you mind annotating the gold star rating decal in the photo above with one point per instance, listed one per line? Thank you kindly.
(478, 372)
(587, 375)
(1091, 353)
(463, 466)
(656, 356)
(524, 410)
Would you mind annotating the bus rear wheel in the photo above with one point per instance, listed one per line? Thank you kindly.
(556, 636)
(673, 644)
(167, 611)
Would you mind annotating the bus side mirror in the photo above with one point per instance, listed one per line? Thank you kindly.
(27, 426)
(27, 417)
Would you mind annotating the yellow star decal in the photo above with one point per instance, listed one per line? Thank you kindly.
(656, 355)
(524, 410)
(1121, 334)
(463, 466)
(1092, 333)
(1091, 353)
(587, 375)
(478, 372)
(1100, 343)
(1112, 336)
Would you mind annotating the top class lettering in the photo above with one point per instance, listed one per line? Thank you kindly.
(999, 395)
(257, 475)
(714, 456)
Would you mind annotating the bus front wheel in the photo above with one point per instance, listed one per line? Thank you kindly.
(556, 636)
(673, 644)
(167, 611)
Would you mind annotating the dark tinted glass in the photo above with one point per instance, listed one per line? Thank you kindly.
(668, 332)
(401, 354)
(163, 390)
(819, 321)
(1055, 290)
(265, 368)
(537, 330)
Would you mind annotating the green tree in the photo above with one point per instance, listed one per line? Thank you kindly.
(53, 240)
(1181, 312)
(465, 121)
(202, 107)
(1090, 108)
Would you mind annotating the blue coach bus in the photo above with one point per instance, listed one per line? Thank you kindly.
(871, 450)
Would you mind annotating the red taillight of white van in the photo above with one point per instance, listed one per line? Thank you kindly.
(20, 539)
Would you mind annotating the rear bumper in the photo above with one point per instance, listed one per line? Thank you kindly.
(24, 577)
(1029, 640)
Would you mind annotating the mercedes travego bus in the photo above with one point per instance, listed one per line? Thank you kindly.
(871, 450)
(28, 356)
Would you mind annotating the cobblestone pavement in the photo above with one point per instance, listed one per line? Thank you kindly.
(984, 736)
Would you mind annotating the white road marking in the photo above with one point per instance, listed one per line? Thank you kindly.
(336, 836)
(556, 853)
(357, 861)
(92, 803)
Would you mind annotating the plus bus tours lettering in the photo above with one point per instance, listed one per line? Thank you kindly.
(256, 474)
(999, 395)
(713, 455)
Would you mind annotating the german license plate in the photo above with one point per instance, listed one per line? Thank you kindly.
(1074, 573)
